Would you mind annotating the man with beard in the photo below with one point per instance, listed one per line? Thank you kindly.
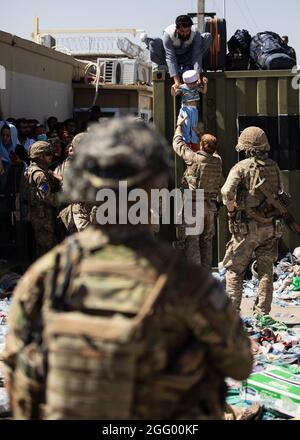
(181, 48)
(24, 133)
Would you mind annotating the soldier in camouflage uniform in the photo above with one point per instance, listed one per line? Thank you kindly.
(255, 226)
(42, 200)
(127, 328)
(204, 171)
(76, 216)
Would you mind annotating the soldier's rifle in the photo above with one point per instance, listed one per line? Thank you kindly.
(279, 204)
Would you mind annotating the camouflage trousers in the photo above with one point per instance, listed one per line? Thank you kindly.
(44, 231)
(78, 216)
(81, 216)
(262, 243)
(198, 248)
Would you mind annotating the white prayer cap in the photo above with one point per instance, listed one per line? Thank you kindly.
(190, 76)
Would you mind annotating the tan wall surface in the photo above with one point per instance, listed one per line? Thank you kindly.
(38, 80)
(108, 98)
(145, 100)
(32, 97)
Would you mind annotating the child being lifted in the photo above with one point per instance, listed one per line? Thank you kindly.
(189, 92)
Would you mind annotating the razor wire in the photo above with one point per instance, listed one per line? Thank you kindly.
(89, 45)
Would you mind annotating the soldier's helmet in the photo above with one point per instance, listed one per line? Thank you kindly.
(39, 148)
(78, 139)
(121, 149)
(253, 139)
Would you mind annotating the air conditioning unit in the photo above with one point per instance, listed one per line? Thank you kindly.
(48, 41)
(111, 70)
(146, 115)
(135, 71)
(124, 71)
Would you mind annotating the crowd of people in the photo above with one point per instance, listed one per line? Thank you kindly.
(125, 336)
(113, 324)
(72, 276)
(26, 147)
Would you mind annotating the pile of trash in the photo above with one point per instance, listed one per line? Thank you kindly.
(275, 379)
(4, 306)
(8, 283)
(273, 343)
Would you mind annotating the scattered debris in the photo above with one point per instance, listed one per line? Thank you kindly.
(276, 370)
(286, 281)
(4, 404)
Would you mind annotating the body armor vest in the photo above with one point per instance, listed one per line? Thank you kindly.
(205, 174)
(254, 172)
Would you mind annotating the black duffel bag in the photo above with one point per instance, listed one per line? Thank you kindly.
(240, 41)
(269, 52)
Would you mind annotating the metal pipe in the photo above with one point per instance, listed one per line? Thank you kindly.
(224, 9)
(200, 14)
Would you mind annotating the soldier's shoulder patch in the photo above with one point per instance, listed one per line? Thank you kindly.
(44, 188)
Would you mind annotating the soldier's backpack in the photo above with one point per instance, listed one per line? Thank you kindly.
(93, 335)
(240, 41)
(269, 53)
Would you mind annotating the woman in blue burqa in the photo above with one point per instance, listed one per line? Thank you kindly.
(8, 142)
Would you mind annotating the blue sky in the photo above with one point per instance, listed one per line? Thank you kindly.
(152, 15)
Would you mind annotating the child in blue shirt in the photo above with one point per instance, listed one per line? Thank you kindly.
(190, 96)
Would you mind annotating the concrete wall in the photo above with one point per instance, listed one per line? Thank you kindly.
(38, 80)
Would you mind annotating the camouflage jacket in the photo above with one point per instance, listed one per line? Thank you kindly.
(43, 186)
(245, 177)
(190, 342)
(75, 216)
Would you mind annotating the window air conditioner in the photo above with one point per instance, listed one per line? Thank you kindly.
(110, 70)
(48, 41)
(135, 71)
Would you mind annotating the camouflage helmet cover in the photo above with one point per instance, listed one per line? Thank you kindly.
(39, 148)
(78, 139)
(253, 138)
(121, 149)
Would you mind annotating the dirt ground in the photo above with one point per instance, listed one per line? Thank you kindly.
(289, 315)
